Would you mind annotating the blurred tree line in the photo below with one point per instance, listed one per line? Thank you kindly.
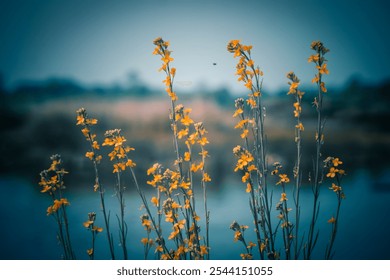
(359, 110)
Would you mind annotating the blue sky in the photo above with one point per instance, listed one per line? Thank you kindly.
(101, 42)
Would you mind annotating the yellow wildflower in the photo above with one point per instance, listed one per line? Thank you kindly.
(85, 132)
(238, 112)
(154, 200)
(156, 179)
(252, 168)
(171, 94)
(245, 177)
(332, 172)
(173, 234)
(90, 155)
(323, 88)
(237, 236)
(243, 161)
(248, 84)
(313, 58)
(293, 88)
(91, 121)
(80, 120)
(187, 204)
(167, 58)
(175, 205)
(186, 120)
(336, 162)
(97, 229)
(203, 141)
(185, 185)
(182, 133)
(206, 178)
(241, 123)
(159, 248)
(335, 188)
(169, 217)
(262, 247)
(87, 224)
(203, 250)
(95, 145)
(204, 153)
(120, 166)
(300, 126)
(283, 197)
(130, 163)
(251, 245)
(322, 69)
(145, 241)
(315, 79)
(283, 179)
(246, 256)
(153, 169)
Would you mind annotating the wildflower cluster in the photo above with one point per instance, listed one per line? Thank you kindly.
(321, 68)
(335, 173)
(90, 225)
(172, 224)
(252, 160)
(174, 200)
(119, 154)
(294, 84)
(283, 210)
(239, 235)
(162, 50)
(87, 123)
(52, 183)
(252, 157)
(319, 60)
(245, 163)
(175, 189)
(147, 241)
(246, 71)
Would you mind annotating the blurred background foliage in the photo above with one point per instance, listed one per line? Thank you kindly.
(38, 120)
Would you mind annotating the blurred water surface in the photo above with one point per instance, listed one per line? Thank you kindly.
(27, 233)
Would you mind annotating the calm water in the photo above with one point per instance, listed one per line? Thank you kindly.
(27, 233)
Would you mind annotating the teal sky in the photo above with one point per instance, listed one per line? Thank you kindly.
(101, 42)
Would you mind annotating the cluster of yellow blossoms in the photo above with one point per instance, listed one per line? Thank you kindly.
(245, 163)
(294, 84)
(246, 70)
(162, 50)
(336, 173)
(175, 188)
(239, 235)
(114, 138)
(319, 61)
(52, 183)
(86, 123)
(281, 206)
(250, 76)
(90, 225)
